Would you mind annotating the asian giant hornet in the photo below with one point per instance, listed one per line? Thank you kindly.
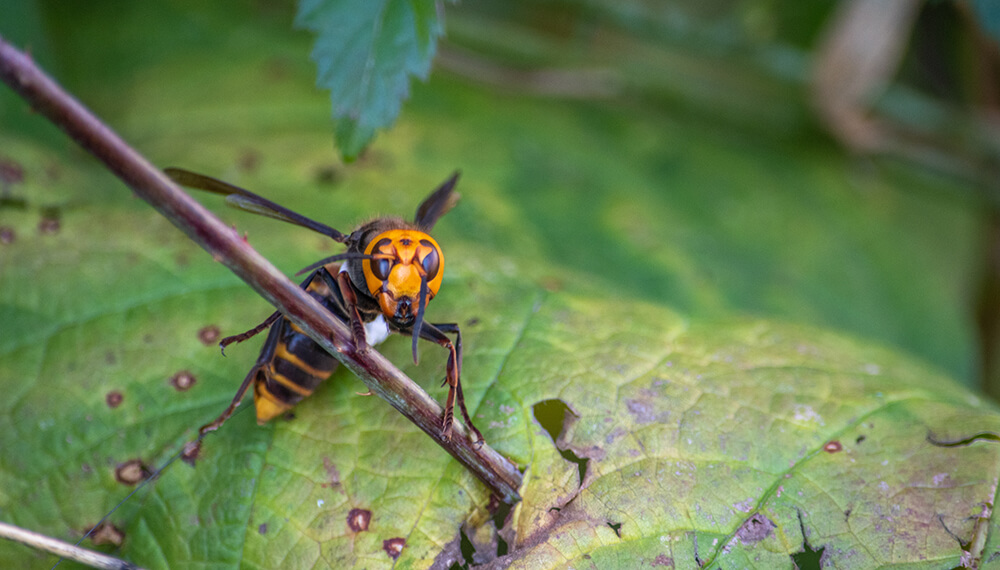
(391, 270)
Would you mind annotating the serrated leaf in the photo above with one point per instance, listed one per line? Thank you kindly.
(367, 53)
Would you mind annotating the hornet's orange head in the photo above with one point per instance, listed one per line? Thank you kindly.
(400, 262)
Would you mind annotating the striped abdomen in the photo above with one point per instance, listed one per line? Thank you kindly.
(291, 365)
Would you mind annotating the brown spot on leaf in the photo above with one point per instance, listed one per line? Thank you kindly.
(208, 335)
(663, 560)
(262, 529)
(249, 160)
(182, 381)
(48, 225)
(358, 520)
(114, 399)
(832, 447)
(10, 172)
(131, 472)
(106, 533)
(191, 452)
(393, 547)
(327, 174)
(755, 529)
(332, 474)
(7, 235)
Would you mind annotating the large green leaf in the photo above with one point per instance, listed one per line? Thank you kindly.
(601, 263)
(742, 444)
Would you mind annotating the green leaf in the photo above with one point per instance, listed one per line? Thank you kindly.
(366, 54)
(741, 444)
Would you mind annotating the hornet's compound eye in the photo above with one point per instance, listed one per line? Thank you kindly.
(381, 268)
(432, 261)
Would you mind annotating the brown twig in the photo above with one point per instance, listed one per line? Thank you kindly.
(63, 549)
(226, 246)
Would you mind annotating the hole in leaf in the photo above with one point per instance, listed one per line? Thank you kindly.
(500, 516)
(808, 558)
(617, 527)
(551, 414)
(501, 546)
(468, 551)
(554, 415)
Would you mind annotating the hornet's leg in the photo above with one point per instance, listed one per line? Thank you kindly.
(266, 352)
(436, 333)
(257, 329)
(250, 333)
(232, 405)
(343, 283)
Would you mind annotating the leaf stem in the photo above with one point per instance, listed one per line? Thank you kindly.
(226, 245)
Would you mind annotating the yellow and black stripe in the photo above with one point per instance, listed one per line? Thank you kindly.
(291, 365)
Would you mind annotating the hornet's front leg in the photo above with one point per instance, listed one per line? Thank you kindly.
(453, 376)
(343, 284)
